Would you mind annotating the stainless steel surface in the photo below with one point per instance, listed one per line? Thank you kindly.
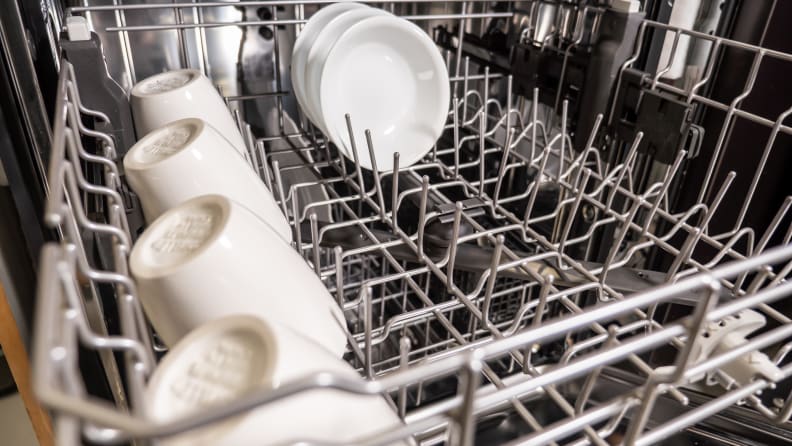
(470, 295)
(135, 56)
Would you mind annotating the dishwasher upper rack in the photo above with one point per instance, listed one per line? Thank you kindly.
(368, 211)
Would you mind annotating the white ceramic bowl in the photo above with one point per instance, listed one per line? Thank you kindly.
(188, 158)
(317, 55)
(390, 77)
(173, 95)
(231, 357)
(305, 42)
(211, 257)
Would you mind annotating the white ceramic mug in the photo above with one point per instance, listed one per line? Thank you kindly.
(173, 95)
(188, 158)
(211, 257)
(234, 356)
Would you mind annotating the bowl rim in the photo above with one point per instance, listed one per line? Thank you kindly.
(136, 91)
(172, 366)
(141, 269)
(197, 127)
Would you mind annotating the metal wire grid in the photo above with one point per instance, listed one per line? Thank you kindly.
(424, 320)
(86, 208)
(421, 320)
(735, 109)
(571, 28)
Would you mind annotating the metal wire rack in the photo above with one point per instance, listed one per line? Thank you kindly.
(474, 283)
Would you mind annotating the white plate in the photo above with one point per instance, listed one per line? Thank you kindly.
(320, 50)
(305, 42)
(390, 77)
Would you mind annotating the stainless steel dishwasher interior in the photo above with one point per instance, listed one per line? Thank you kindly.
(481, 300)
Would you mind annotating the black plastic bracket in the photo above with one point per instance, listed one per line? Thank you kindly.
(99, 91)
(626, 104)
(695, 140)
(614, 46)
(665, 123)
(525, 60)
(664, 119)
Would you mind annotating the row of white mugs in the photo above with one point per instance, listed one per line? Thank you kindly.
(240, 310)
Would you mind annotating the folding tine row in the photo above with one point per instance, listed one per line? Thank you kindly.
(86, 208)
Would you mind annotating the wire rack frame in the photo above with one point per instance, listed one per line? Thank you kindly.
(453, 355)
(354, 274)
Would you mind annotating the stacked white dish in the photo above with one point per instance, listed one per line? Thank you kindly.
(381, 70)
